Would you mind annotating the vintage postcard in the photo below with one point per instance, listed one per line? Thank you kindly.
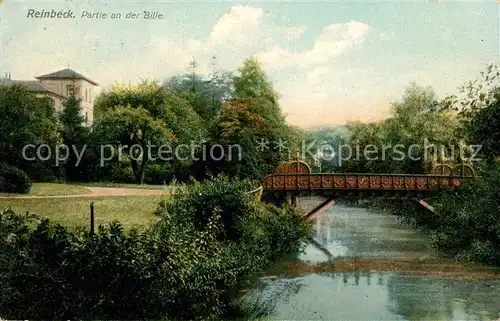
(250, 160)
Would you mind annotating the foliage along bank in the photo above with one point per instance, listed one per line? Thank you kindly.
(468, 224)
(187, 266)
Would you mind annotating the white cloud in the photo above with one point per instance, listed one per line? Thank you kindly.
(332, 42)
(353, 30)
(276, 58)
(240, 24)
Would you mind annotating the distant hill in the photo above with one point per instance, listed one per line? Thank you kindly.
(340, 129)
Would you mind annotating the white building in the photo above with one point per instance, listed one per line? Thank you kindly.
(60, 85)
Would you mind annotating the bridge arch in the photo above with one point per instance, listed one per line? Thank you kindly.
(442, 169)
(294, 167)
(463, 170)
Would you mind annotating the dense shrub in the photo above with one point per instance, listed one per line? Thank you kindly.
(40, 171)
(469, 220)
(158, 173)
(198, 202)
(187, 266)
(467, 226)
(13, 180)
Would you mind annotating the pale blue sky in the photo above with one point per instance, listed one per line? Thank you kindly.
(331, 61)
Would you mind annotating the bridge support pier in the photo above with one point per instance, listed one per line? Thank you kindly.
(427, 206)
(292, 199)
(318, 210)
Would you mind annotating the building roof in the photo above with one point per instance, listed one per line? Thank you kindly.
(29, 85)
(66, 74)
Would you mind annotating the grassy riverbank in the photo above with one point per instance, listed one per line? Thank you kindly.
(51, 189)
(130, 211)
(427, 267)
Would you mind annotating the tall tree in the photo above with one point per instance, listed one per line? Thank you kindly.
(75, 136)
(208, 94)
(254, 118)
(253, 82)
(71, 116)
(478, 93)
(24, 120)
(478, 105)
(484, 129)
(418, 118)
(146, 114)
(135, 129)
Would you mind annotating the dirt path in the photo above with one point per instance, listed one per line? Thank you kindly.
(100, 192)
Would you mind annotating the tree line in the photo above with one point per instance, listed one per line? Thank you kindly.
(468, 224)
(230, 109)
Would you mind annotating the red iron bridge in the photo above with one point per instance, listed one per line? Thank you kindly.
(294, 178)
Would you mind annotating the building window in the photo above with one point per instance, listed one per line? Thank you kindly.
(70, 91)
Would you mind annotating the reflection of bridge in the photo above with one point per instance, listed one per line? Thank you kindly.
(294, 178)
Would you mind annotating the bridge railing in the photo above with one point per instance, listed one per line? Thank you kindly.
(257, 193)
(355, 181)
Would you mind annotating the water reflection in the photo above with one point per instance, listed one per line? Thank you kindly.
(353, 296)
(350, 232)
(345, 232)
(444, 299)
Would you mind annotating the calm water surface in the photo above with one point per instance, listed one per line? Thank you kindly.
(346, 232)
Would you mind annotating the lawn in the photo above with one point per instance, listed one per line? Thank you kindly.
(52, 189)
(121, 185)
(131, 211)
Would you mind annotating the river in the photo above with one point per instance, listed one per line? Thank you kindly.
(362, 264)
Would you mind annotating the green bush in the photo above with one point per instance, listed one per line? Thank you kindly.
(40, 171)
(200, 201)
(13, 180)
(187, 266)
(116, 171)
(468, 224)
(50, 272)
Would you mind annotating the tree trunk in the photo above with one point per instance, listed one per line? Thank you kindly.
(143, 164)
(135, 170)
(138, 169)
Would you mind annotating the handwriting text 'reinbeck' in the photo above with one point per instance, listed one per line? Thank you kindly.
(101, 15)
(50, 14)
